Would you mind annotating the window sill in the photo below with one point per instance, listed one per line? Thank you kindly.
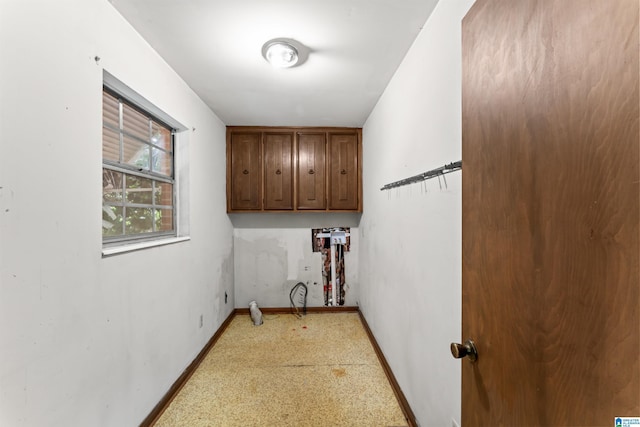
(117, 250)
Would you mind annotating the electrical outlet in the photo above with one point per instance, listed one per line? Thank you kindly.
(201, 320)
(225, 297)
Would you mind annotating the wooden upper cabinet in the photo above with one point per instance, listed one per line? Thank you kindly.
(245, 167)
(294, 169)
(312, 171)
(278, 171)
(343, 171)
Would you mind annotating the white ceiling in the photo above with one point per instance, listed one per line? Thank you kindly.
(354, 46)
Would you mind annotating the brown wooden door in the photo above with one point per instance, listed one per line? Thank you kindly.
(278, 175)
(246, 171)
(343, 171)
(551, 212)
(311, 171)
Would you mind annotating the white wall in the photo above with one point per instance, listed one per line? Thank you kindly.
(410, 240)
(272, 253)
(86, 340)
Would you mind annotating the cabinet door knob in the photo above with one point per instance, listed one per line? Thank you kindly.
(278, 172)
(343, 172)
(246, 172)
(311, 172)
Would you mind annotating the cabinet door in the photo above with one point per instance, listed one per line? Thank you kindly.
(311, 171)
(343, 171)
(278, 177)
(246, 171)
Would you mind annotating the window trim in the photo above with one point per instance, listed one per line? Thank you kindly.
(140, 244)
(112, 83)
(125, 243)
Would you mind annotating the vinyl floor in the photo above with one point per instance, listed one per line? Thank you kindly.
(318, 370)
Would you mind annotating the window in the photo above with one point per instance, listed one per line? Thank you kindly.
(138, 185)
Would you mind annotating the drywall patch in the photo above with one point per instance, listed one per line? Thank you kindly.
(261, 269)
(270, 262)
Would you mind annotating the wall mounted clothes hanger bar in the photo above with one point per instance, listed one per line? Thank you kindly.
(451, 167)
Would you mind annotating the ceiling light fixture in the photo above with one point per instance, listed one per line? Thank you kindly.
(280, 53)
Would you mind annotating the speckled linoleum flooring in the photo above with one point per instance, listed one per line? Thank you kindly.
(318, 370)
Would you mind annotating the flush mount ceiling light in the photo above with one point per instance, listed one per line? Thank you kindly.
(280, 53)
